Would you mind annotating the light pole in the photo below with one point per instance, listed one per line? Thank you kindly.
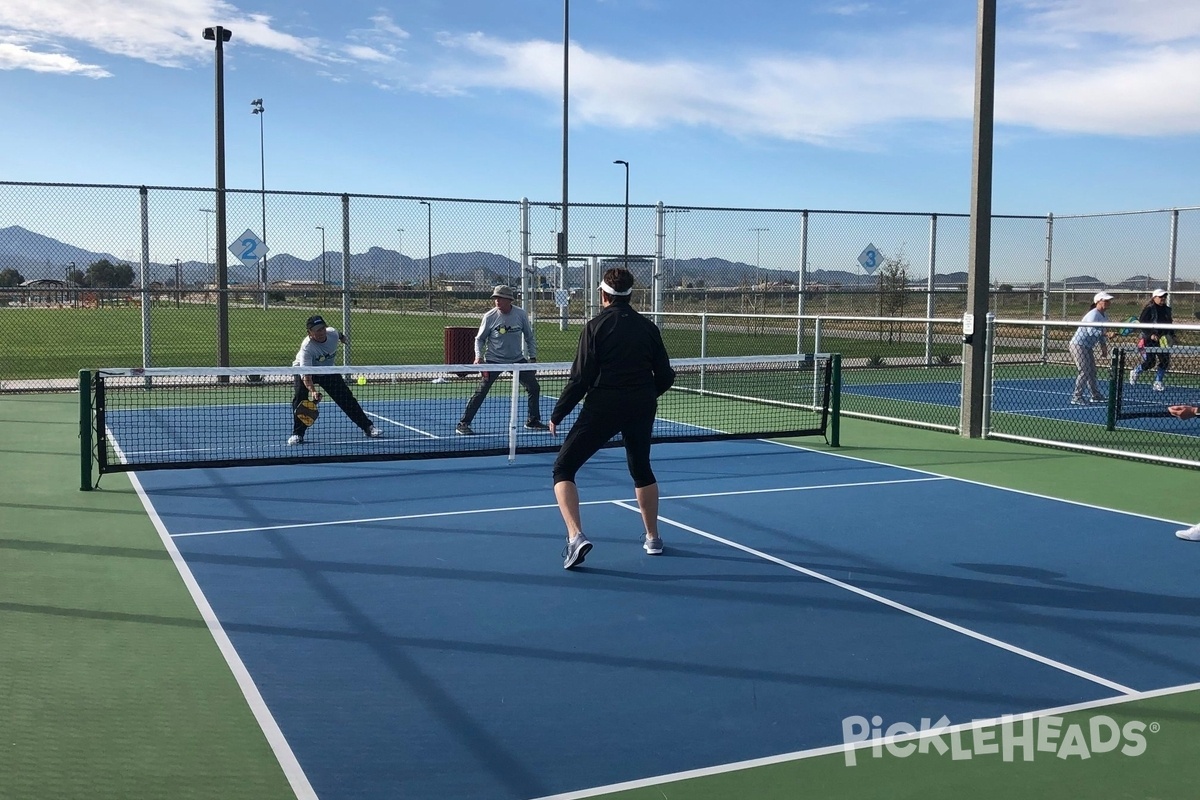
(400, 268)
(220, 35)
(758, 232)
(510, 261)
(675, 238)
(321, 228)
(429, 234)
(207, 263)
(262, 166)
(626, 163)
(178, 279)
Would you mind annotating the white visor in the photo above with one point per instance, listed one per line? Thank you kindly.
(610, 290)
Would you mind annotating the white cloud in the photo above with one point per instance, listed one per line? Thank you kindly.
(163, 32)
(361, 52)
(1081, 66)
(16, 56)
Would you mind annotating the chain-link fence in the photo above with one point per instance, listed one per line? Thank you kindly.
(135, 276)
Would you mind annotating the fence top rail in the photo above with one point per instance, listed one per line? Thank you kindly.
(794, 317)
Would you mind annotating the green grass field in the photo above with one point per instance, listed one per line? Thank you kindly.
(63, 341)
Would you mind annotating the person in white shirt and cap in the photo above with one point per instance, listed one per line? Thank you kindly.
(1083, 350)
(1156, 312)
(318, 349)
(504, 337)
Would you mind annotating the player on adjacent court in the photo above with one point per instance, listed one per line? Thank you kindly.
(622, 368)
(1156, 312)
(318, 349)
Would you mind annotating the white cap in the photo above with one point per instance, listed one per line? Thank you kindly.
(1159, 293)
(1101, 296)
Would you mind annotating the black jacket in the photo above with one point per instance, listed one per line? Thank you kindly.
(1154, 314)
(619, 349)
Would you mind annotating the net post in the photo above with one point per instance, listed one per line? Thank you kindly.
(1115, 370)
(85, 430)
(835, 401)
(513, 408)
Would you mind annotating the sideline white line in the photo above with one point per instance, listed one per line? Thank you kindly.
(463, 512)
(894, 604)
(266, 721)
(816, 752)
(1081, 504)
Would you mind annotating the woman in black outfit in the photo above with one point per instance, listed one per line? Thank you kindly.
(621, 367)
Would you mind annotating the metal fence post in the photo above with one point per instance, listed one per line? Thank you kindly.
(346, 278)
(988, 364)
(1046, 288)
(930, 284)
(801, 282)
(144, 202)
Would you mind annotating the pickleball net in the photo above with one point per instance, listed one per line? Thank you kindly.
(172, 418)
(1146, 399)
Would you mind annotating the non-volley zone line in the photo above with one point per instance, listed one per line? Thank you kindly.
(893, 604)
(538, 506)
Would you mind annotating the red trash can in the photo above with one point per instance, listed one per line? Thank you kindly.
(459, 346)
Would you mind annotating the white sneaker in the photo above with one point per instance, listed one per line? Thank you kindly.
(374, 432)
(1158, 386)
(1192, 534)
(295, 440)
(1133, 376)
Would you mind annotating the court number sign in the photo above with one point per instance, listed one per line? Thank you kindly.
(870, 259)
(248, 248)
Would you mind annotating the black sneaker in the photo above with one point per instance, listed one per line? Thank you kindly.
(463, 429)
(536, 425)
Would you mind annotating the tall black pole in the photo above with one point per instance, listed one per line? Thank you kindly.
(220, 35)
(561, 244)
(626, 163)
(259, 110)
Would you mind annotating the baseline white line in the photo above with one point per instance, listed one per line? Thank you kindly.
(816, 752)
(894, 604)
(427, 515)
(266, 721)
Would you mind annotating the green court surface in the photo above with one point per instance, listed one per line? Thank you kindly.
(113, 687)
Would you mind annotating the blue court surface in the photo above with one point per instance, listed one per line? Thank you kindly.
(407, 630)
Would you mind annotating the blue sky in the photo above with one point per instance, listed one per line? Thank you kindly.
(793, 104)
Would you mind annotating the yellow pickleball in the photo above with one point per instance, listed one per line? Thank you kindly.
(362, 380)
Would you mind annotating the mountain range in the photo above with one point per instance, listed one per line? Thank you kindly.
(35, 256)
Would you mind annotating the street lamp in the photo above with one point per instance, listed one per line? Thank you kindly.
(400, 268)
(758, 232)
(321, 228)
(510, 261)
(429, 234)
(258, 111)
(626, 163)
(675, 239)
(207, 263)
(220, 35)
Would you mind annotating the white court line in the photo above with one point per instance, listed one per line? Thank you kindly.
(802, 448)
(461, 512)
(402, 425)
(816, 752)
(893, 604)
(266, 721)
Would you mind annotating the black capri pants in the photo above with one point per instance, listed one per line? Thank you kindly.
(338, 392)
(606, 413)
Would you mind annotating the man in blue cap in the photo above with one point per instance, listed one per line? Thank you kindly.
(317, 350)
